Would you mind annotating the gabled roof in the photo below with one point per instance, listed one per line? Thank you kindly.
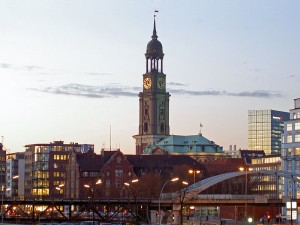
(184, 144)
(92, 162)
(161, 161)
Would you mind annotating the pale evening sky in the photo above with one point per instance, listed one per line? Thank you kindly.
(70, 69)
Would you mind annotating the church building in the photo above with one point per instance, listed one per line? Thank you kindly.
(154, 100)
(154, 130)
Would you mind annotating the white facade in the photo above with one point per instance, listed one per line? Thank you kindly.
(15, 172)
(290, 153)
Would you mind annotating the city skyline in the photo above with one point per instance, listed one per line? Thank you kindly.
(70, 70)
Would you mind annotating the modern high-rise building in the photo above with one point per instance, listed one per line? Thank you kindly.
(154, 100)
(45, 167)
(265, 128)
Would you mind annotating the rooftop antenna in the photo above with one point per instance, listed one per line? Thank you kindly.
(200, 132)
(110, 138)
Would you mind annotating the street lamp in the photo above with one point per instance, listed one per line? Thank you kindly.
(194, 172)
(246, 189)
(172, 180)
(181, 198)
(2, 199)
(134, 194)
(93, 196)
(132, 181)
(58, 188)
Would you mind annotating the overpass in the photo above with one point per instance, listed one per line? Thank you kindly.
(192, 191)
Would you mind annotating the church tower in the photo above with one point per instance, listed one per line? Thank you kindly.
(154, 100)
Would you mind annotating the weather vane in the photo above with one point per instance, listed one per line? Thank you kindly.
(155, 12)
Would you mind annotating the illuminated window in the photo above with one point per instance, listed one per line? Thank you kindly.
(297, 126)
(289, 139)
(56, 174)
(289, 127)
(297, 138)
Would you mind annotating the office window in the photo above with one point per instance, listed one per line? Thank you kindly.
(297, 138)
(289, 139)
(289, 127)
(297, 126)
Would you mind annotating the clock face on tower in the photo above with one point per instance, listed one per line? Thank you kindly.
(147, 82)
(160, 83)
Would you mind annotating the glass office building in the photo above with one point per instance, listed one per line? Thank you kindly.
(265, 128)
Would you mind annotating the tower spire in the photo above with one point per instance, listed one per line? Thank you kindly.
(154, 35)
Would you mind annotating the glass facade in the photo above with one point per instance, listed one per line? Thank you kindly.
(265, 128)
(45, 167)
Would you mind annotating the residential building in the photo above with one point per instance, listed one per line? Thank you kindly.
(15, 172)
(45, 167)
(87, 170)
(2, 168)
(264, 130)
(114, 169)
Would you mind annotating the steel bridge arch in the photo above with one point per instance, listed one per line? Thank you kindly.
(196, 188)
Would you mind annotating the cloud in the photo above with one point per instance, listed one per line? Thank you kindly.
(257, 94)
(30, 68)
(116, 90)
(89, 91)
(18, 67)
(177, 84)
(98, 74)
(6, 66)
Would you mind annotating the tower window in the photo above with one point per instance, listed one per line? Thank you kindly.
(145, 127)
(161, 111)
(162, 127)
(146, 111)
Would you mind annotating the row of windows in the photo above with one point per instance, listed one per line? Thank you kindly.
(289, 138)
(291, 151)
(60, 157)
(296, 115)
(40, 183)
(118, 184)
(90, 174)
(289, 126)
(264, 187)
(59, 174)
(58, 182)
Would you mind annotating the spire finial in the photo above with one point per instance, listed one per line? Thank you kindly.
(154, 35)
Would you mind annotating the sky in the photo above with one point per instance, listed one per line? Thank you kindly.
(71, 70)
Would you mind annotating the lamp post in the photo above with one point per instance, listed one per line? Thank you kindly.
(2, 199)
(93, 196)
(58, 188)
(182, 196)
(172, 180)
(2, 190)
(246, 189)
(134, 195)
(194, 172)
